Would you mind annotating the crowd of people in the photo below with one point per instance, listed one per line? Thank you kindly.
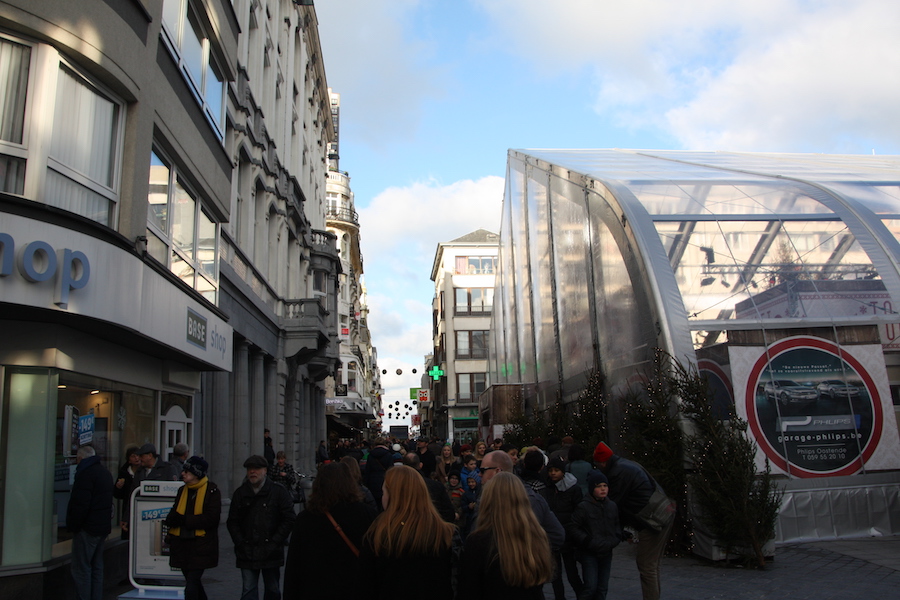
(453, 521)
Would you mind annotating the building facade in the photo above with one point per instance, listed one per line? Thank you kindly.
(775, 276)
(279, 265)
(354, 393)
(456, 374)
(166, 274)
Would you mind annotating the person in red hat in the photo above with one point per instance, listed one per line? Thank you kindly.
(631, 488)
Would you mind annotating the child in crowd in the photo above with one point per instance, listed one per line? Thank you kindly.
(469, 504)
(563, 496)
(454, 489)
(469, 471)
(595, 530)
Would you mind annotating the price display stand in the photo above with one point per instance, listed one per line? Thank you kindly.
(148, 552)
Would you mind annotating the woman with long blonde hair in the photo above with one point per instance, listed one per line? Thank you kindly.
(409, 537)
(508, 554)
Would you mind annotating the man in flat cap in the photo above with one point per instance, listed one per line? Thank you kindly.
(152, 468)
(260, 519)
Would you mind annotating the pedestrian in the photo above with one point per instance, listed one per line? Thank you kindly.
(455, 491)
(508, 554)
(436, 491)
(124, 485)
(180, 454)
(282, 472)
(151, 469)
(268, 448)
(379, 461)
(193, 522)
(469, 471)
(637, 496)
(579, 467)
(480, 451)
(356, 474)
(322, 561)
(595, 530)
(446, 464)
(88, 517)
(321, 453)
(259, 521)
(532, 465)
(429, 461)
(563, 496)
(469, 501)
(409, 537)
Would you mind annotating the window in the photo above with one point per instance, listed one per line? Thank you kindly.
(471, 344)
(469, 386)
(180, 232)
(476, 265)
(474, 301)
(319, 282)
(186, 38)
(85, 124)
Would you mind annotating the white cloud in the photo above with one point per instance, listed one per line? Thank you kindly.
(749, 75)
(832, 77)
(381, 69)
(400, 231)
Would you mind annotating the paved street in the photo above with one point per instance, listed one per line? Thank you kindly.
(839, 570)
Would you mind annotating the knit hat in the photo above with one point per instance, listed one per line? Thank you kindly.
(602, 453)
(256, 462)
(595, 478)
(556, 463)
(465, 448)
(197, 466)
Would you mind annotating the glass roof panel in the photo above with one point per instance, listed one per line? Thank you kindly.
(773, 198)
(880, 199)
(771, 269)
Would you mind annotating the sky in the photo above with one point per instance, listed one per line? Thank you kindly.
(434, 93)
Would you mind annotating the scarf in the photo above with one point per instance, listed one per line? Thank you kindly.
(181, 505)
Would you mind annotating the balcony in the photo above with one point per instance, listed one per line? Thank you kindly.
(310, 337)
(344, 214)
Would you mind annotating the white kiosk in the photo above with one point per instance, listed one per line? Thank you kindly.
(148, 553)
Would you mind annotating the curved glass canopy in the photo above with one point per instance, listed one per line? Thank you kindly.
(758, 237)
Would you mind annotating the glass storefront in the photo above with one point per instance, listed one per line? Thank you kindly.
(45, 415)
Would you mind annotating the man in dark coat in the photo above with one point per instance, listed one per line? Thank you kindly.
(152, 468)
(88, 516)
(630, 487)
(259, 520)
(436, 490)
(379, 461)
(429, 461)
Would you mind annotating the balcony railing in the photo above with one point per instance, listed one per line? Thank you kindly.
(347, 215)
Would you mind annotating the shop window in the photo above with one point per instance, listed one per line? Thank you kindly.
(186, 38)
(180, 232)
(85, 122)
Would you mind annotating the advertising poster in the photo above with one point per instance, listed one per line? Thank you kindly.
(817, 409)
(85, 429)
(149, 551)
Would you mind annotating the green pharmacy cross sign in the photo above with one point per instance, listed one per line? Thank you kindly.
(436, 373)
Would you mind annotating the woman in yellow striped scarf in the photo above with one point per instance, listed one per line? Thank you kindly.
(194, 527)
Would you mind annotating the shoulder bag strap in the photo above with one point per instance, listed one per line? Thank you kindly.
(343, 535)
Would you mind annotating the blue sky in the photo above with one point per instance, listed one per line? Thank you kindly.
(433, 93)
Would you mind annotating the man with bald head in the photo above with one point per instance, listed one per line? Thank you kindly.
(496, 461)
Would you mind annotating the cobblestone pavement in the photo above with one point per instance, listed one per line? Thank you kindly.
(822, 570)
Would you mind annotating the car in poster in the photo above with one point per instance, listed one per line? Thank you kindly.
(790, 393)
(835, 388)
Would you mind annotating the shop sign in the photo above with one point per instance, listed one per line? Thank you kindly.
(38, 261)
(149, 556)
(85, 429)
(817, 409)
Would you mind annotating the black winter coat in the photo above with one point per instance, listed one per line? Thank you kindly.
(630, 488)
(380, 460)
(320, 565)
(259, 523)
(431, 576)
(480, 577)
(91, 501)
(595, 526)
(188, 551)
